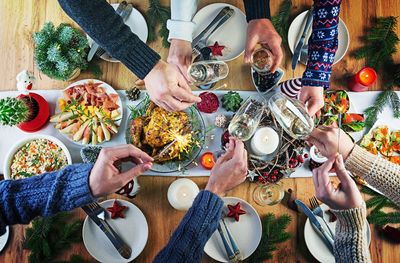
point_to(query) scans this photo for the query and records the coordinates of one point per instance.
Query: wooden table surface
(20, 18)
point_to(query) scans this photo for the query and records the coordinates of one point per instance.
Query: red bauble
(216, 49)
(42, 116)
(225, 138)
(116, 210)
(209, 102)
(235, 211)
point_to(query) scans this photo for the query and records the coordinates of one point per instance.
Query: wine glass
(291, 115)
(269, 194)
(246, 120)
(207, 72)
(261, 60)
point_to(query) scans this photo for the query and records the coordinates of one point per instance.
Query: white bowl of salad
(35, 155)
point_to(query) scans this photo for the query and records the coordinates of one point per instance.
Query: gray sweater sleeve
(99, 20)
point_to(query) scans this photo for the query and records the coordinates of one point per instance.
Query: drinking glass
(261, 60)
(291, 115)
(269, 194)
(207, 72)
(246, 120)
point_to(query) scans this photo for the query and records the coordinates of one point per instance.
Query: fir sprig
(158, 14)
(373, 111)
(48, 237)
(273, 233)
(281, 20)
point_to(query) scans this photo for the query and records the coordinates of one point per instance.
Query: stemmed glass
(207, 72)
(246, 120)
(261, 60)
(269, 194)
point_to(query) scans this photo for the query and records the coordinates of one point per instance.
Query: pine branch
(372, 112)
(157, 14)
(380, 218)
(273, 229)
(281, 20)
(395, 102)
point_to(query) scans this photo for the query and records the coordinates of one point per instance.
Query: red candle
(363, 79)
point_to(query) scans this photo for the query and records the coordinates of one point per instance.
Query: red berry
(306, 155)
(275, 172)
(300, 158)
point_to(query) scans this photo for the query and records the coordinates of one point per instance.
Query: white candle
(181, 194)
(265, 141)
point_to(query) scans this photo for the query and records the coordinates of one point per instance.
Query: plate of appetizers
(89, 112)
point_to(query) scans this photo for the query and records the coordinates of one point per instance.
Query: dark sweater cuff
(256, 9)
(141, 59)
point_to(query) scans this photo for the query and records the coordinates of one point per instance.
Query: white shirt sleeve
(180, 25)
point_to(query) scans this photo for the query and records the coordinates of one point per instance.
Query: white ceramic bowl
(19, 144)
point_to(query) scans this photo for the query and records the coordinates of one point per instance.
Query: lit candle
(363, 79)
(265, 141)
(181, 194)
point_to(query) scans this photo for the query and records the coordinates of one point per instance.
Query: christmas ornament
(221, 121)
(116, 210)
(209, 102)
(207, 160)
(291, 87)
(132, 93)
(216, 49)
(231, 101)
(235, 211)
(25, 82)
(225, 138)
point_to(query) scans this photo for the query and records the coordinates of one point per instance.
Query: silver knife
(95, 46)
(300, 44)
(216, 19)
(314, 221)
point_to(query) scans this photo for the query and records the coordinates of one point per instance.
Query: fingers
(186, 95)
(135, 171)
(139, 82)
(251, 43)
(314, 105)
(304, 95)
(175, 104)
(341, 171)
(239, 150)
(124, 151)
(278, 56)
(323, 172)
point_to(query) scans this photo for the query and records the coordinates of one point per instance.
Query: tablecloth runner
(10, 135)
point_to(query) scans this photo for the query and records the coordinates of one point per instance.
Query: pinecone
(231, 101)
(13, 111)
(133, 93)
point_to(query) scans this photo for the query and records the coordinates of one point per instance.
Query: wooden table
(20, 18)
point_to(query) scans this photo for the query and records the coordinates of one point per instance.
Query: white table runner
(11, 135)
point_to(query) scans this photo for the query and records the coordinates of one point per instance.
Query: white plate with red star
(296, 29)
(246, 232)
(133, 229)
(231, 36)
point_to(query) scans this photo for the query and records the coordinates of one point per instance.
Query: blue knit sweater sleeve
(99, 20)
(200, 222)
(323, 43)
(44, 195)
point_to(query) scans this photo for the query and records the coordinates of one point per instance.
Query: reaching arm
(257, 9)
(180, 25)
(188, 241)
(99, 20)
(44, 195)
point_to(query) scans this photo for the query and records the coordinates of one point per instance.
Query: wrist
(213, 188)
(157, 67)
(347, 152)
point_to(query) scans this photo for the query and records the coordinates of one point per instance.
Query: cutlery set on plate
(231, 247)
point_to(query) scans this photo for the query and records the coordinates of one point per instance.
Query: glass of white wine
(269, 194)
(246, 120)
(291, 115)
(207, 72)
(261, 60)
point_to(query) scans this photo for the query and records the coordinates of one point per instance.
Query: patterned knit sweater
(323, 43)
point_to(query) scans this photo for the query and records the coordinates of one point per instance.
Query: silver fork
(317, 210)
(99, 211)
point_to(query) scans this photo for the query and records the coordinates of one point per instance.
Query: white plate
(296, 30)
(314, 242)
(138, 25)
(109, 90)
(4, 238)
(232, 34)
(133, 229)
(247, 232)
(19, 144)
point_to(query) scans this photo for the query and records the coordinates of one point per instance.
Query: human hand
(105, 178)
(261, 31)
(180, 55)
(168, 88)
(346, 195)
(314, 97)
(230, 169)
(326, 140)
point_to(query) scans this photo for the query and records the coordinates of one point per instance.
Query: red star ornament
(216, 49)
(116, 210)
(235, 211)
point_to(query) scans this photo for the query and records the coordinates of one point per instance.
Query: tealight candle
(265, 141)
(363, 79)
(181, 194)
